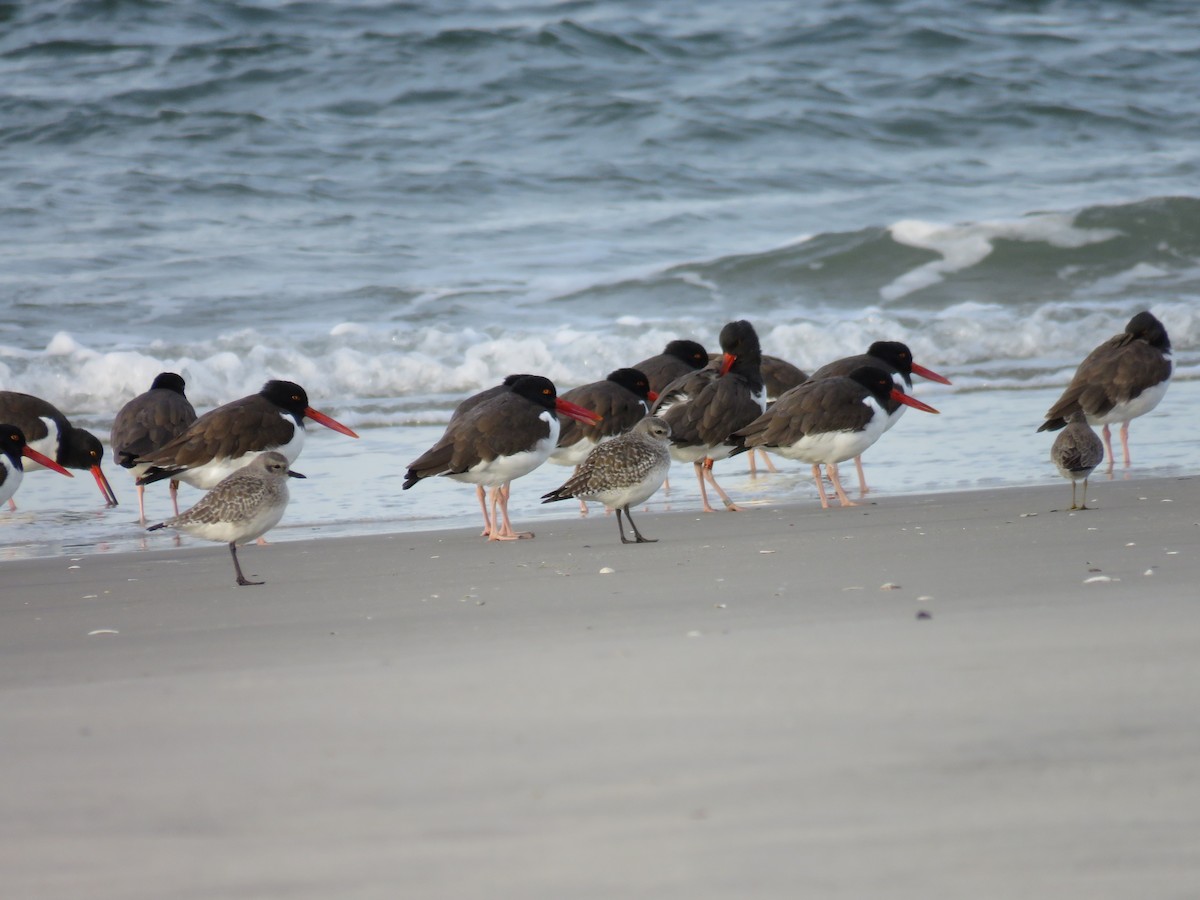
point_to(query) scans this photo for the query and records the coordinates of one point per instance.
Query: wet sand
(961, 695)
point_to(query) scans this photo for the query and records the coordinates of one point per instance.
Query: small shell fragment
(103, 631)
(607, 570)
(1096, 579)
(889, 586)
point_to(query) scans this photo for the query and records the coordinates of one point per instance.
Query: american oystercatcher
(678, 358)
(147, 422)
(222, 441)
(826, 421)
(499, 439)
(1076, 452)
(51, 434)
(705, 407)
(623, 472)
(242, 507)
(894, 358)
(1123, 378)
(12, 448)
(623, 399)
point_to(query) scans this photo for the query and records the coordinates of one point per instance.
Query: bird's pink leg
(708, 474)
(174, 498)
(141, 489)
(1125, 442)
(703, 490)
(1107, 435)
(487, 521)
(820, 483)
(862, 479)
(837, 485)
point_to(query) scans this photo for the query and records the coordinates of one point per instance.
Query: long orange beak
(727, 362)
(577, 412)
(105, 488)
(901, 397)
(321, 419)
(930, 374)
(43, 460)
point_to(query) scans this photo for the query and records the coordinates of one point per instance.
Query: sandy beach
(973, 694)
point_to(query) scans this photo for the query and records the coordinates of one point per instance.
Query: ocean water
(396, 204)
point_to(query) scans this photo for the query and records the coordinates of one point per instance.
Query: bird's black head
(877, 382)
(510, 380)
(79, 449)
(739, 339)
(689, 352)
(632, 380)
(287, 395)
(168, 381)
(12, 442)
(1144, 326)
(895, 354)
(536, 389)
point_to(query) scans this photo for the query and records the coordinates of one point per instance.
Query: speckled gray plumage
(1076, 452)
(623, 471)
(243, 506)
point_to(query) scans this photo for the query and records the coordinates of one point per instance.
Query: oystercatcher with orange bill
(147, 422)
(51, 434)
(12, 448)
(1123, 378)
(827, 421)
(498, 439)
(705, 407)
(677, 359)
(893, 357)
(622, 400)
(229, 437)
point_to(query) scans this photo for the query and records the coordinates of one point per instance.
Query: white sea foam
(966, 245)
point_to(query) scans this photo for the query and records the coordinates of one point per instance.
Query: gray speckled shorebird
(622, 472)
(1076, 452)
(244, 506)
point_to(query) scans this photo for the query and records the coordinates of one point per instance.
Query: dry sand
(740, 710)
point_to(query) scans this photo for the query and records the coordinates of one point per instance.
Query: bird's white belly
(47, 446)
(1138, 406)
(210, 474)
(239, 532)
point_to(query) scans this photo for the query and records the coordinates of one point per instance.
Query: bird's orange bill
(321, 419)
(105, 488)
(652, 396)
(43, 460)
(901, 397)
(930, 374)
(727, 362)
(577, 412)
(292, 474)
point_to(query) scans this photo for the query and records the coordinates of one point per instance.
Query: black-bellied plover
(622, 472)
(705, 407)
(1076, 452)
(827, 421)
(244, 506)
(501, 438)
(147, 422)
(678, 358)
(223, 440)
(12, 448)
(50, 433)
(1123, 378)
(894, 358)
